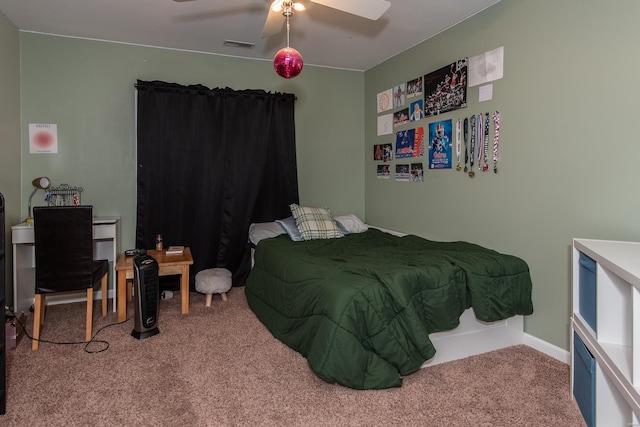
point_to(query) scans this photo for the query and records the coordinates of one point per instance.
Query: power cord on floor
(87, 343)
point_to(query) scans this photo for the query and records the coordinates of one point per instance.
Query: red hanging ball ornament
(287, 62)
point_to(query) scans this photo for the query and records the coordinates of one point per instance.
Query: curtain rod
(156, 84)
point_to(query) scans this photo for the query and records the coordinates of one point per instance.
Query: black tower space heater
(147, 296)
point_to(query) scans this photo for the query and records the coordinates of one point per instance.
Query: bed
(361, 308)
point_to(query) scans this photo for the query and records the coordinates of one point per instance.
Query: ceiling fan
(288, 61)
(369, 9)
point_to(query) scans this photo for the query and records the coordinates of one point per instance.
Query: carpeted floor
(221, 367)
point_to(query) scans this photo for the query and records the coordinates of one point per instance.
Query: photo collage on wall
(409, 103)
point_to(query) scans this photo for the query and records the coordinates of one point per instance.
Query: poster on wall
(410, 143)
(43, 138)
(446, 89)
(440, 145)
(404, 143)
(417, 173)
(384, 101)
(418, 142)
(399, 94)
(417, 112)
(383, 152)
(414, 87)
(402, 172)
(382, 172)
(400, 117)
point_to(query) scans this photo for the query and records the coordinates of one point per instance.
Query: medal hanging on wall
(485, 166)
(473, 145)
(496, 140)
(458, 137)
(466, 148)
(480, 127)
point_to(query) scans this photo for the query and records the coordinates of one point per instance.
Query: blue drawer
(587, 290)
(584, 380)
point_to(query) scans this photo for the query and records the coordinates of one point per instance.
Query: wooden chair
(64, 260)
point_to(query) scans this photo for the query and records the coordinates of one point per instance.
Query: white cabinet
(607, 331)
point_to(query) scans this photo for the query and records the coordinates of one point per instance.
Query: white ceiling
(324, 36)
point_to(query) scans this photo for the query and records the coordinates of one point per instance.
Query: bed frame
(472, 336)
(475, 337)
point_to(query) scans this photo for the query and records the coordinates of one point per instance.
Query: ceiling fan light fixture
(288, 62)
(282, 6)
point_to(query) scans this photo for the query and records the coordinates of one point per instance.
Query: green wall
(568, 152)
(9, 134)
(87, 89)
(567, 156)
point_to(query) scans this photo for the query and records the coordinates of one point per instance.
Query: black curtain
(211, 162)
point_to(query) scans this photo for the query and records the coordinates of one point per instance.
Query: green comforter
(361, 308)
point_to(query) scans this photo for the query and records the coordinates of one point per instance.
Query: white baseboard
(547, 348)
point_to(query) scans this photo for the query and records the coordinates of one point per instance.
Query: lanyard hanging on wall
(466, 137)
(485, 166)
(496, 140)
(480, 127)
(473, 145)
(458, 141)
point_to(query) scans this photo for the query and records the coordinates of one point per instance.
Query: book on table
(175, 250)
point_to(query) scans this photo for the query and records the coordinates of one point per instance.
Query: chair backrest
(63, 248)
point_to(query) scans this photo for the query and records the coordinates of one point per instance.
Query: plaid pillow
(315, 223)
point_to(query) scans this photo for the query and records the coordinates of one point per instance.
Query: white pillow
(264, 230)
(351, 223)
(315, 223)
(290, 227)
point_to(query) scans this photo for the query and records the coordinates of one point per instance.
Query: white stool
(213, 281)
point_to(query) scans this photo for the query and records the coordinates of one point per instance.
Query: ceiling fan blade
(370, 9)
(218, 13)
(274, 23)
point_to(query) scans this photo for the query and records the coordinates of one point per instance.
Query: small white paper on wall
(43, 138)
(485, 93)
(385, 124)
